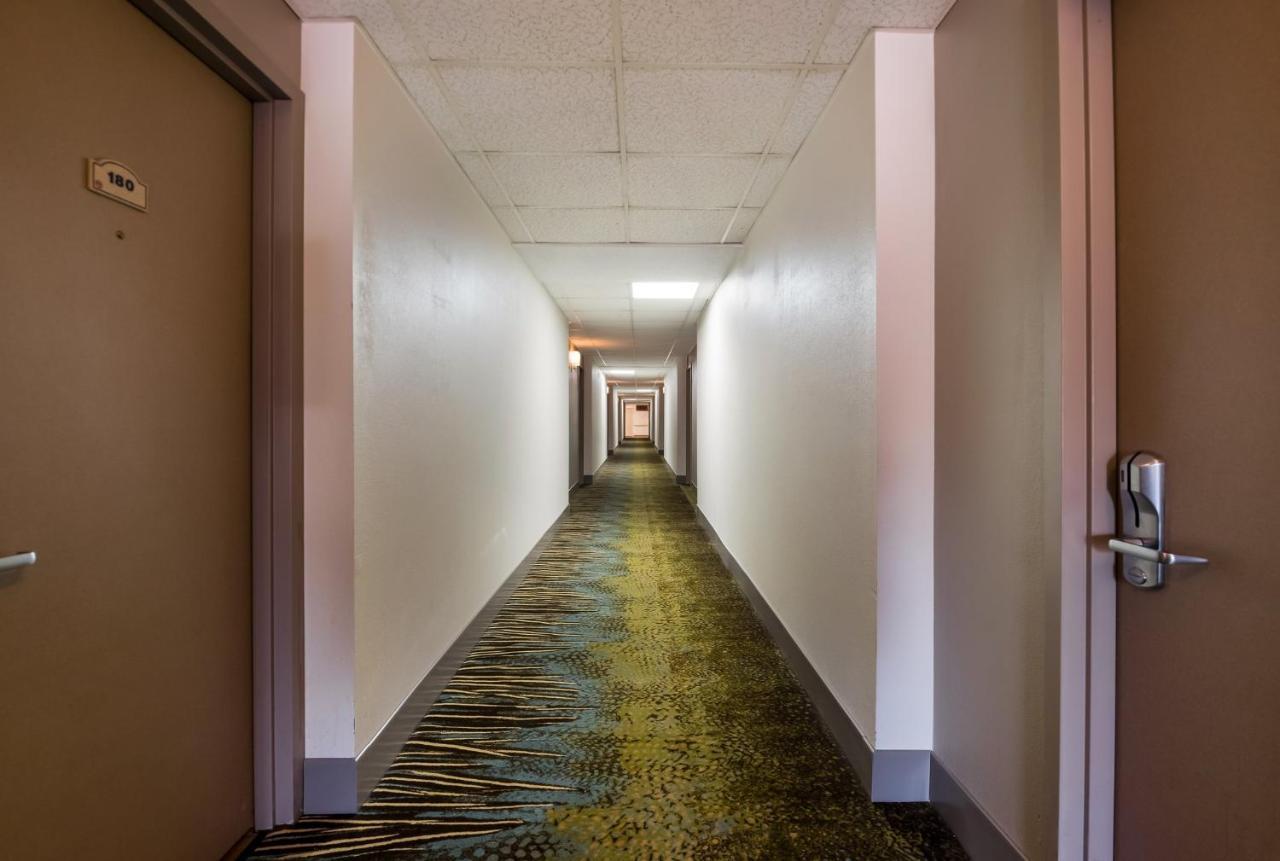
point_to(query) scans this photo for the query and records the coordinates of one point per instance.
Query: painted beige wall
(328, 429)
(453, 337)
(673, 431)
(596, 427)
(997, 412)
(822, 488)
(904, 117)
(449, 336)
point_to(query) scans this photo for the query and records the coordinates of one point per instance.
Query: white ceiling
(635, 123)
(592, 283)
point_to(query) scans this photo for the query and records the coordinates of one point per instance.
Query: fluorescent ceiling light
(627, 373)
(663, 289)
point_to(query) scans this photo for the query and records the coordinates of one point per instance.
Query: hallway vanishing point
(625, 703)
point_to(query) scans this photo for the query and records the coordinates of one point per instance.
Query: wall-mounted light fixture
(575, 359)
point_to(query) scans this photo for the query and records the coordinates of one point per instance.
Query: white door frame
(623, 401)
(1087, 701)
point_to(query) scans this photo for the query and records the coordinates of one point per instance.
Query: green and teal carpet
(625, 704)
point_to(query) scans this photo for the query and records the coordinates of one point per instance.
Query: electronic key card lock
(1140, 544)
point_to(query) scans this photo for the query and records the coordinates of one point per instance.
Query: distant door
(660, 420)
(636, 420)
(575, 427)
(1198, 243)
(125, 652)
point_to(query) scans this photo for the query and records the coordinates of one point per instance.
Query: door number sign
(114, 180)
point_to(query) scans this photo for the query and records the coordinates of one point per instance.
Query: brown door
(1198, 194)
(125, 687)
(575, 427)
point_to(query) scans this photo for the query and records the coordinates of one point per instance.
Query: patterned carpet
(625, 704)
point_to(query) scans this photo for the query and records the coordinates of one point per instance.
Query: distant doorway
(635, 421)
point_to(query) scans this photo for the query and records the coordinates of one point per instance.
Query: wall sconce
(575, 359)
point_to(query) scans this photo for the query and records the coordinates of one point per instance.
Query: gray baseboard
(891, 775)
(855, 748)
(680, 479)
(975, 830)
(329, 785)
(342, 785)
(900, 775)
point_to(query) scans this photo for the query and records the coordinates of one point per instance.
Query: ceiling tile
(647, 323)
(605, 319)
(575, 225)
(561, 180)
(688, 182)
(720, 31)
(588, 290)
(474, 164)
(661, 306)
(678, 225)
(770, 172)
(507, 218)
(814, 94)
(742, 225)
(619, 265)
(856, 17)
(536, 109)
(563, 31)
(704, 110)
(422, 86)
(589, 303)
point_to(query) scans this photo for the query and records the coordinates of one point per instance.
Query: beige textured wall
(997, 411)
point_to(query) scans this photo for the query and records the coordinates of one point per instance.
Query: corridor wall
(823, 488)
(673, 430)
(998, 414)
(426, 334)
(597, 423)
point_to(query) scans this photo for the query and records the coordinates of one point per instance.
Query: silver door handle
(1150, 554)
(17, 560)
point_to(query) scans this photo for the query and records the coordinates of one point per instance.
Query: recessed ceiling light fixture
(663, 289)
(626, 373)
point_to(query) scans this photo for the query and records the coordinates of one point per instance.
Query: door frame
(624, 401)
(1087, 691)
(276, 390)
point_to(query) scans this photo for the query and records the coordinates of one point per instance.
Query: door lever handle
(1150, 554)
(17, 560)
